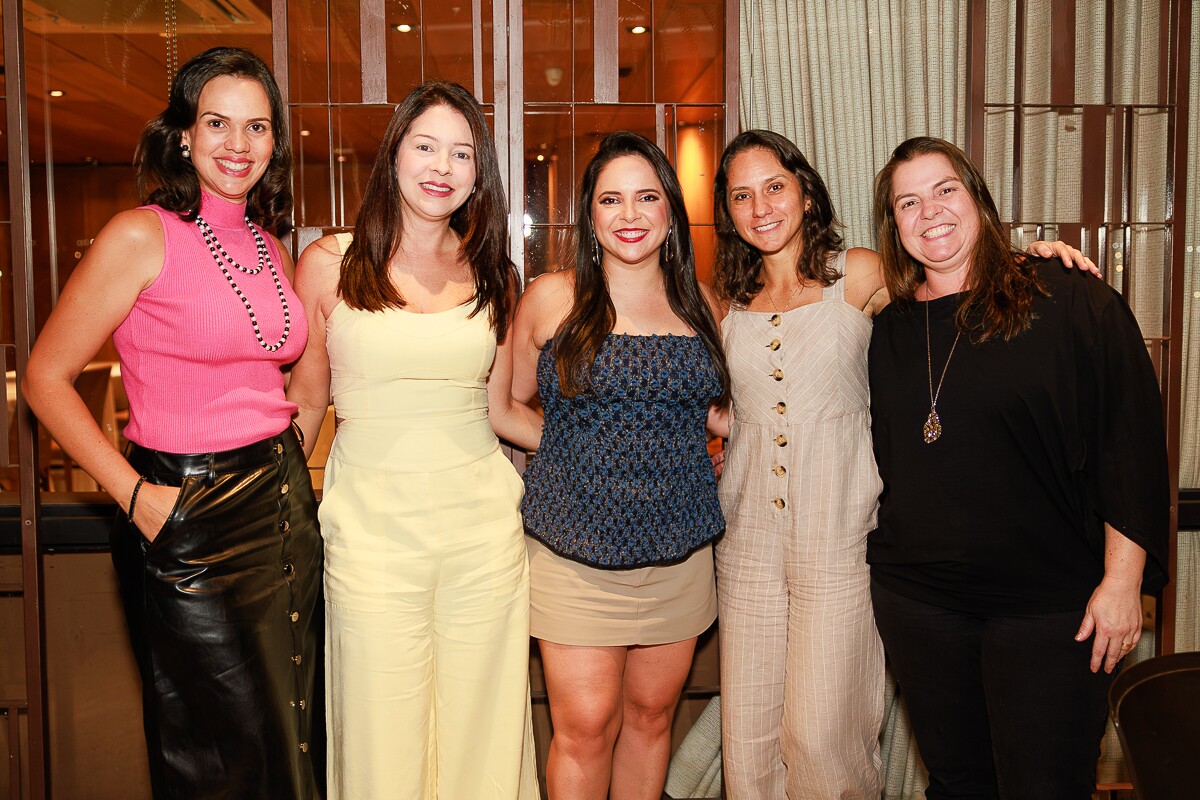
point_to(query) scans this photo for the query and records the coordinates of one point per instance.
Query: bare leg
(584, 687)
(653, 679)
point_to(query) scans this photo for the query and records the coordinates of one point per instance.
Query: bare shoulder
(289, 266)
(137, 227)
(545, 304)
(551, 289)
(131, 244)
(717, 306)
(864, 278)
(863, 262)
(318, 272)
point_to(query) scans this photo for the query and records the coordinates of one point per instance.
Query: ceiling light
(541, 157)
(638, 29)
(305, 133)
(57, 92)
(404, 27)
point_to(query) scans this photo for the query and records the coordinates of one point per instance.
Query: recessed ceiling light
(57, 92)
(541, 157)
(637, 29)
(404, 27)
(305, 133)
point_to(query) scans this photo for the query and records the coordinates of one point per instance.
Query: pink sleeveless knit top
(197, 378)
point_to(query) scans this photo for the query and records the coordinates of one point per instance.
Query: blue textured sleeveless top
(622, 478)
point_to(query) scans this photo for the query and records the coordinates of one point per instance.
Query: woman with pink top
(217, 551)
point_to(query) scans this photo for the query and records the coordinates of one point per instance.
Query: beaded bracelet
(137, 487)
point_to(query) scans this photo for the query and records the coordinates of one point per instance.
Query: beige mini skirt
(572, 603)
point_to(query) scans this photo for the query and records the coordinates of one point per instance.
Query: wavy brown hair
(1001, 281)
(167, 179)
(481, 222)
(737, 273)
(592, 315)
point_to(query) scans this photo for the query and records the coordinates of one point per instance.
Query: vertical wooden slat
(282, 72)
(372, 26)
(1164, 50)
(20, 214)
(605, 45)
(516, 136)
(1062, 53)
(733, 57)
(660, 126)
(1177, 138)
(1091, 179)
(1109, 61)
(279, 47)
(1126, 205)
(1018, 112)
(500, 84)
(976, 79)
(477, 49)
(14, 751)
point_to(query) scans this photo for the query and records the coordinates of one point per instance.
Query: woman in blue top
(620, 504)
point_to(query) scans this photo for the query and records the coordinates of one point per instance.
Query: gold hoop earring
(667, 245)
(597, 253)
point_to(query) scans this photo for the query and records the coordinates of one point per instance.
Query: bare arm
(1114, 612)
(541, 310)
(316, 286)
(864, 273)
(511, 419)
(126, 258)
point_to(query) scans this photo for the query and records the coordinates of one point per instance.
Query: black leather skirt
(225, 616)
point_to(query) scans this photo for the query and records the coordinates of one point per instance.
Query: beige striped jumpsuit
(802, 675)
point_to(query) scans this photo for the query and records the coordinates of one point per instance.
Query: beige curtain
(848, 81)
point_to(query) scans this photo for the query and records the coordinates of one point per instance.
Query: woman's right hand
(153, 506)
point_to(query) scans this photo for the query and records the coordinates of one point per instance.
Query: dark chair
(1155, 705)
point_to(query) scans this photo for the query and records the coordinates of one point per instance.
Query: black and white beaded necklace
(222, 258)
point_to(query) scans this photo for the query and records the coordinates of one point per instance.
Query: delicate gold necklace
(933, 424)
(791, 295)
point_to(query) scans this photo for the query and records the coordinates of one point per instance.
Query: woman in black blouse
(1018, 429)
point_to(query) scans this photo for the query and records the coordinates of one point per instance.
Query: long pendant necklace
(933, 424)
(222, 258)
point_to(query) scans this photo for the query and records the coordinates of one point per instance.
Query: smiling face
(936, 216)
(435, 164)
(766, 202)
(233, 138)
(630, 212)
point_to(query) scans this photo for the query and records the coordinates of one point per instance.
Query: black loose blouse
(1045, 438)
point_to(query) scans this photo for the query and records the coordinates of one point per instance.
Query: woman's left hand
(1065, 253)
(718, 462)
(1114, 614)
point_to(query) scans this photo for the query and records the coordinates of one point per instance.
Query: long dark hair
(159, 159)
(1002, 281)
(737, 273)
(592, 314)
(481, 222)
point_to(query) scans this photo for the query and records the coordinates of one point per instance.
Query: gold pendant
(933, 427)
